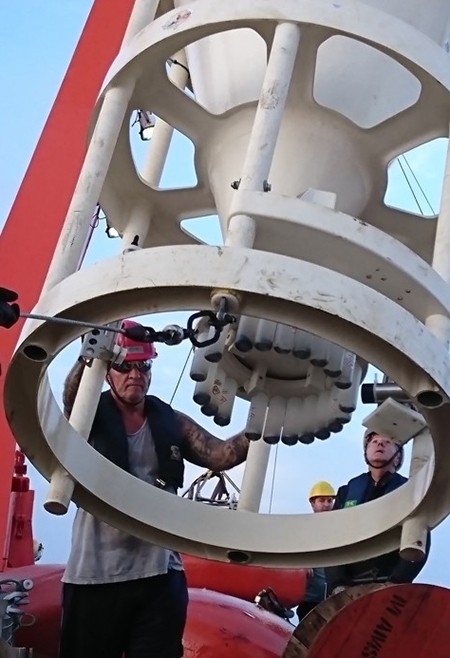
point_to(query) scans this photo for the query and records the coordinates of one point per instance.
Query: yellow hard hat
(322, 488)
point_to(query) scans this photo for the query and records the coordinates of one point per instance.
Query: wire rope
(419, 185)
(410, 186)
(177, 385)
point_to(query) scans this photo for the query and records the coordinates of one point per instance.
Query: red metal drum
(400, 621)
(246, 581)
(220, 626)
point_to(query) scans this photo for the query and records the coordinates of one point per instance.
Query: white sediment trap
(301, 387)
(295, 109)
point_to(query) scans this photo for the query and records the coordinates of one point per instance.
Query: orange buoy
(245, 581)
(220, 626)
(404, 621)
(217, 625)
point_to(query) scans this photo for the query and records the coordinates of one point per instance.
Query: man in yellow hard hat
(321, 499)
(383, 455)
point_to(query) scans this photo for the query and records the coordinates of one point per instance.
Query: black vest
(108, 437)
(356, 488)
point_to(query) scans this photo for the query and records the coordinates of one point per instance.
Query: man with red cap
(384, 457)
(123, 595)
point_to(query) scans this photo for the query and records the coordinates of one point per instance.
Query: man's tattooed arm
(205, 449)
(71, 384)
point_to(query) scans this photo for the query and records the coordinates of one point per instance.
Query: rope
(419, 185)
(177, 385)
(410, 187)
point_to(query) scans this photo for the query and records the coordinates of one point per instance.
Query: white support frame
(402, 347)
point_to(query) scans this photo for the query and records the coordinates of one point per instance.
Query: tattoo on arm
(205, 449)
(71, 385)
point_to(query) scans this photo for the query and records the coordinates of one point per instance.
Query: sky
(37, 40)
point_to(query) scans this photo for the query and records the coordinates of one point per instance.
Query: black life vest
(108, 436)
(357, 487)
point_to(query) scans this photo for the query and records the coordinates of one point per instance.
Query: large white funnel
(340, 85)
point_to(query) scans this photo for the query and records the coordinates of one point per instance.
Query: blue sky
(37, 41)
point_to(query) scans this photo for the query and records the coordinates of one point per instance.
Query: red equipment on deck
(404, 621)
(217, 623)
(245, 582)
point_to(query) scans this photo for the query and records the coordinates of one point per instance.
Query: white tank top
(103, 554)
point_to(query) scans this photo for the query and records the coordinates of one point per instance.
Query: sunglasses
(127, 366)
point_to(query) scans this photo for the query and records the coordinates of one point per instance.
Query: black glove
(9, 313)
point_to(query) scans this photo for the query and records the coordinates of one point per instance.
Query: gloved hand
(9, 313)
